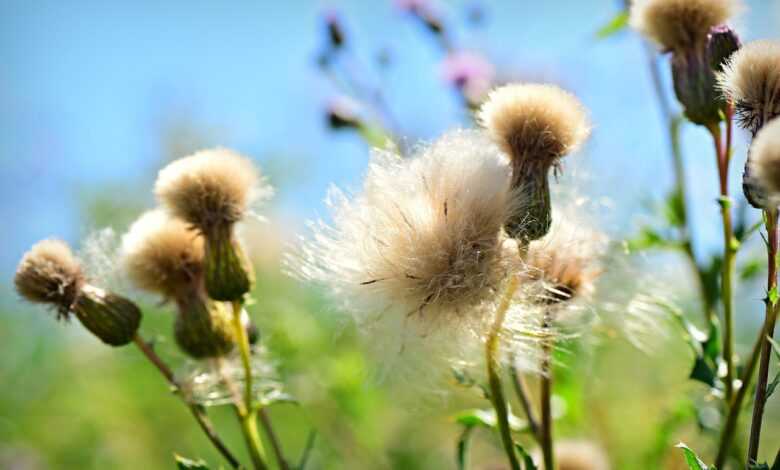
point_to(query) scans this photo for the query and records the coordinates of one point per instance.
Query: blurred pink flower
(469, 72)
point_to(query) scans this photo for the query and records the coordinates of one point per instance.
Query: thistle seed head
(162, 254)
(49, 273)
(211, 188)
(678, 25)
(764, 160)
(751, 80)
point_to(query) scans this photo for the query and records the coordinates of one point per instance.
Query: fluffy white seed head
(765, 159)
(535, 122)
(566, 262)
(679, 24)
(751, 80)
(50, 273)
(162, 254)
(422, 240)
(211, 188)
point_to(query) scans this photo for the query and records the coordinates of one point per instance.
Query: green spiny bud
(228, 272)
(204, 328)
(112, 318)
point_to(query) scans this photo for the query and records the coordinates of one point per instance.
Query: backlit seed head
(677, 25)
(751, 80)
(49, 273)
(211, 188)
(162, 254)
(765, 160)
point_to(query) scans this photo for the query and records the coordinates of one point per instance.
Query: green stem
(521, 390)
(546, 396)
(276, 446)
(197, 412)
(766, 350)
(248, 412)
(494, 380)
(735, 406)
(729, 255)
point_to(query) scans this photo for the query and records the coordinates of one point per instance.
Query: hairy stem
(735, 406)
(729, 256)
(494, 379)
(546, 396)
(766, 350)
(521, 390)
(197, 412)
(248, 412)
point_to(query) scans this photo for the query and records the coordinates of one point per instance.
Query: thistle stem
(521, 390)
(673, 122)
(546, 396)
(766, 351)
(729, 253)
(197, 412)
(248, 412)
(494, 379)
(276, 446)
(735, 406)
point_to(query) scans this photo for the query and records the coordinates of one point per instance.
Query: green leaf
(770, 389)
(183, 463)
(487, 418)
(703, 372)
(649, 238)
(463, 447)
(528, 462)
(751, 268)
(776, 465)
(307, 450)
(693, 460)
(758, 466)
(615, 25)
(775, 347)
(674, 209)
(772, 296)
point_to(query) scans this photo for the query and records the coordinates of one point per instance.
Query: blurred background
(97, 96)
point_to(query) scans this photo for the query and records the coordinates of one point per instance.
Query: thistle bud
(694, 86)
(213, 190)
(49, 273)
(228, 272)
(722, 42)
(203, 328)
(161, 254)
(110, 317)
(535, 126)
(689, 30)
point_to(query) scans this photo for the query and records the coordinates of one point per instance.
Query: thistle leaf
(183, 463)
(693, 460)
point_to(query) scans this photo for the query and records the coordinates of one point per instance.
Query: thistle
(213, 190)
(692, 31)
(50, 274)
(536, 126)
(423, 237)
(751, 80)
(161, 254)
(765, 161)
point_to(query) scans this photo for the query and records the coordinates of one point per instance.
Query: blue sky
(87, 87)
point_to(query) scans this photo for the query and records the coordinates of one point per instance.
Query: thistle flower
(692, 31)
(535, 125)
(469, 73)
(678, 25)
(423, 238)
(751, 80)
(212, 190)
(50, 274)
(565, 263)
(161, 254)
(765, 160)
